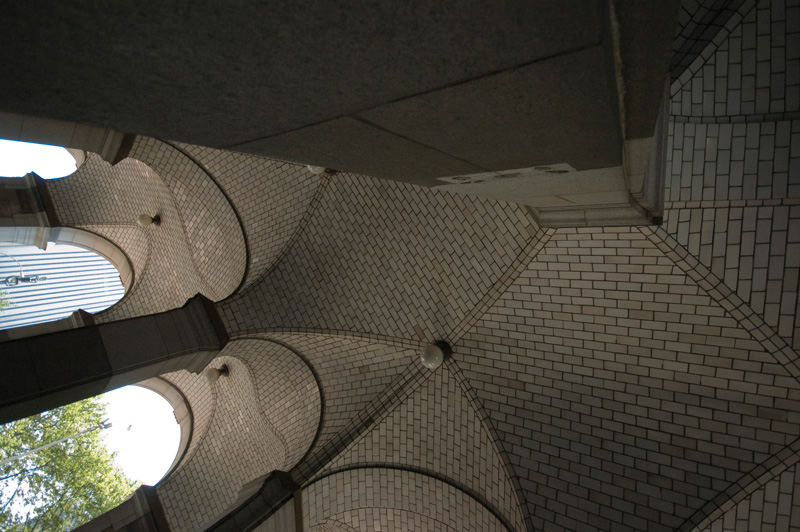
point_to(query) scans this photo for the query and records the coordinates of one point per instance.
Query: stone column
(42, 372)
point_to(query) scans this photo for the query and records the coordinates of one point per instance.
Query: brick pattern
(356, 376)
(252, 182)
(390, 499)
(539, 238)
(200, 399)
(386, 258)
(437, 430)
(755, 250)
(331, 525)
(699, 22)
(755, 71)
(239, 446)
(775, 507)
(624, 395)
(733, 189)
(392, 520)
(750, 483)
(732, 162)
(629, 379)
(287, 393)
(703, 25)
(132, 238)
(212, 229)
(727, 299)
(97, 197)
(263, 416)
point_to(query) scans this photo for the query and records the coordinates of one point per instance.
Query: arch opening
(75, 462)
(19, 158)
(44, 285)
(152, 426)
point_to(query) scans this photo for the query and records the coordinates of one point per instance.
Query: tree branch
(19, 484)
(24, 471)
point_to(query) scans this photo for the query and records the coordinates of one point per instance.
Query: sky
(20, 158)
(144, 433)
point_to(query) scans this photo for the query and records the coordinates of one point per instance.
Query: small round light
(213, 375)
(145, 220)
(316, 170)
(434, 354)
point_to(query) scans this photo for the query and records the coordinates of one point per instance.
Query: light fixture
(316, 170)
(14, 280)
(434, 354)
(145, 220)
(213, 374)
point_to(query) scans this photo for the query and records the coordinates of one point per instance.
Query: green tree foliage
(63, 486)
(4, 301)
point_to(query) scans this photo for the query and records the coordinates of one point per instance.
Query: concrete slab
(645, 46)
(219, 75)
(347, 144)
(561, 110)
(536, 189)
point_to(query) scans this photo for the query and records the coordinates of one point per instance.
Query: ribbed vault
(437, 430)
(630, 366)
(355, 376)
(603, 379)
(252, 182)
(386, 258)
(770, 507)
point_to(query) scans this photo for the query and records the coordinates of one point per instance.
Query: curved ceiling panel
(438, 430)
(287, 393)
(273, 198)
(388, 259)
(212, 227)
(364, 499)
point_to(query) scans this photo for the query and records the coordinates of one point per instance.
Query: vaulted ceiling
(617, 378)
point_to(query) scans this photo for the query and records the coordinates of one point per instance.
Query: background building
(619, 286)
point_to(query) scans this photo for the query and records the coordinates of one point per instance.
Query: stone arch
(102, 246)
(39, 236)
(108, 200)
(76, 138)
(80, 238)
(199, 208)
(183, 414)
